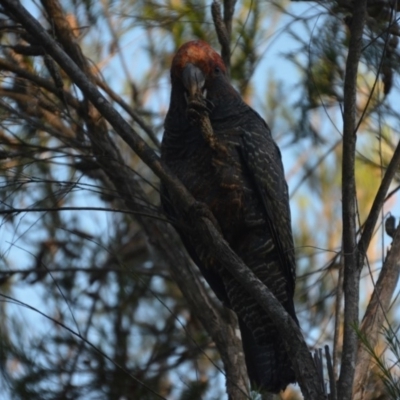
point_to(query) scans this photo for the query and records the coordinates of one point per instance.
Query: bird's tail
(268, 366)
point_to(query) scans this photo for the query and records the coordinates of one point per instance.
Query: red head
(195, 64)
(200, 54)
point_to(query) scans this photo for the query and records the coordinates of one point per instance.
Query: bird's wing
(263, 164)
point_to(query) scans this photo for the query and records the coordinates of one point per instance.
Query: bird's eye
(217, 70)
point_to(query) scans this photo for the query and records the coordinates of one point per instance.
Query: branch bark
(223, 27)
(219, 323)
(351, 276)
(375, 316)
(296, 346)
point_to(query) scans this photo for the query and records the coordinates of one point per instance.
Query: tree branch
(375, 315)
(351, 276)
(222, 30)
(229, 9)
(379, 200)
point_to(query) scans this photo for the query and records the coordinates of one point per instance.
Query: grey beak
(193, 79)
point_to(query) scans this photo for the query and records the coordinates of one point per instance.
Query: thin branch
(82, 338)
(39, 81)
(135, 116)
(379, 200)
(71, 101)
(338, 318)
(142, 271)
(222, 31)
(309, 171)
(229, 9)
(12, 211)
(331, 374)
(351, 277)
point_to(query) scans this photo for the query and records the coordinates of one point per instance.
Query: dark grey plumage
(242, 182)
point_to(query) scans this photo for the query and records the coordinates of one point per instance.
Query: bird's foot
(200, 210)
(197, 109)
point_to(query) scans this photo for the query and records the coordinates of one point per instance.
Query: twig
(331, 374)
(11, 211)
(379, 200)
(135, 116)
(222, 31)
(319, 364)
(86, 341)
(338, 318)
(229, 9)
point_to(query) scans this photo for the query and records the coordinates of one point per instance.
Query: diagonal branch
(375, 315)
(379, 200)
(301, 358)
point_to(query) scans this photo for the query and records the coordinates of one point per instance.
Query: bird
(234, 168)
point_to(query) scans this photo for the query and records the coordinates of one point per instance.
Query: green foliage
(195, 391)
(387, 365)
